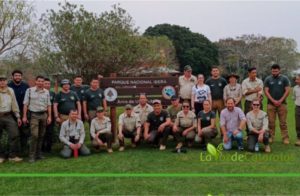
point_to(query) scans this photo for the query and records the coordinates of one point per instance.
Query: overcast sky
(214, 19)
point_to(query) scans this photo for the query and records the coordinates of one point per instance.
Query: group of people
(31, 113)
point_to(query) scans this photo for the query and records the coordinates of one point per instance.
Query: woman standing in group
(200, 93)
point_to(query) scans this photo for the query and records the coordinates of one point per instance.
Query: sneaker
(121, 149)
(110, 150)
(15, 159)
(2, 160)
(240, 148)
(179, 145)
(297, 142)
(267, 149)
(256, 149)
(286, 141)
(271, 140)
(162, 147)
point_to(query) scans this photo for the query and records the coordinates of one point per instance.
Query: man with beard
(20, 87)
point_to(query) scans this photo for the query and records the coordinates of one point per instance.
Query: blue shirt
(19, 90)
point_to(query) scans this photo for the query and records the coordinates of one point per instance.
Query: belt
(42, 112)
(4, 114)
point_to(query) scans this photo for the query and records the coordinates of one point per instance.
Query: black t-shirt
(216, 87)
(156, 120)
(66, 102)
(19, 91)
(205, 118)
(79, 90)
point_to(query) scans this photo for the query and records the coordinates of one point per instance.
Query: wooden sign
(126, 90)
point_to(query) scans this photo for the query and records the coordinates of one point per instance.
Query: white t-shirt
(200, 93)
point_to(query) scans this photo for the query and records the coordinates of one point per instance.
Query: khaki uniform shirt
(72, 129)
(234, 92)
(186, 85)
(247, 85)
(143, 112)
(186, 121)
(130, 123)
(8, 102)
(37, 100)
(259, 121)
(102, 126)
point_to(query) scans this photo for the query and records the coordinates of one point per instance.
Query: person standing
(296, 97)
(252, 88)
(65, 101)
(8, 110)
(277, 88)
(37, 101)
(257, 121)
(20, 87)
(47, 142)
(186, 82)
(200, 93)
(93, 98)
(233, 89)
(129, 127)
(232, 122)
(72, 134)
(142, 110)
(216, 84)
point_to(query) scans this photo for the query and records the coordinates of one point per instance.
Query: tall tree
(191, 48)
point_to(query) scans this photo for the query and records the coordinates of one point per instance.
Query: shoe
(15, 159)
(121, 149)
(179, 145)
(162, 147)
(286, 141)
(110, 150)
(190, 144)
(240, 148)
(31, 160)
(267, 149)
(256, 149)
(2, 160)
(271, 139)
(297, 142)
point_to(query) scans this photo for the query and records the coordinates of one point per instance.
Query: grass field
(164, 166)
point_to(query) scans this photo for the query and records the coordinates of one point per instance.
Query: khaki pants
(38, 123)
(281, 111)
(208, 134)
(217, 105)
(180, 138)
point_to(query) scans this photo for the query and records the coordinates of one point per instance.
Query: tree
(191, 48)
(259, 51)
(81, 42)
(16, 26)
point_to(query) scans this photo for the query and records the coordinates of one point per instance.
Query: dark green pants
(8, 124)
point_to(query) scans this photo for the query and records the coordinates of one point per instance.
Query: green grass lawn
(147, 160)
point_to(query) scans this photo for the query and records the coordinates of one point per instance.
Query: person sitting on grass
(157, 126)
(100, 130)
(206, 124)
(129, 127)
(72, 134)
(185, 125)
(232, 122)
(257, 121)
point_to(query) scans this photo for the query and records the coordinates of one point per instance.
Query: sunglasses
(185, 106)
(256, 104)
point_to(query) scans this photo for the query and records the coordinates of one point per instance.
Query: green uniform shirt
(66, 102)
(94, 99)
(79, 90)
(173, 111)
(52, 97)
(206, 118)
(216, 87)
(277, 86)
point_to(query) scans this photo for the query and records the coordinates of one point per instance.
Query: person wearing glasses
(200, 93)
(185, 125)
(206, 124)
(257, 121)
(129, 127)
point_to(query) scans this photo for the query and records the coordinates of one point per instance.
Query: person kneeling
(185, 125)
(101, 131)
(129, 127)
(257, 121)
(72, 134)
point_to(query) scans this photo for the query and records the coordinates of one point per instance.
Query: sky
(214, 19)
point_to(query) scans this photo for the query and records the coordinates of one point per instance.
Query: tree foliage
(17, 29)
(259, 51)
(191, 48)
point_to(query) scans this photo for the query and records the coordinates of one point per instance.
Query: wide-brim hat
(233, 75)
